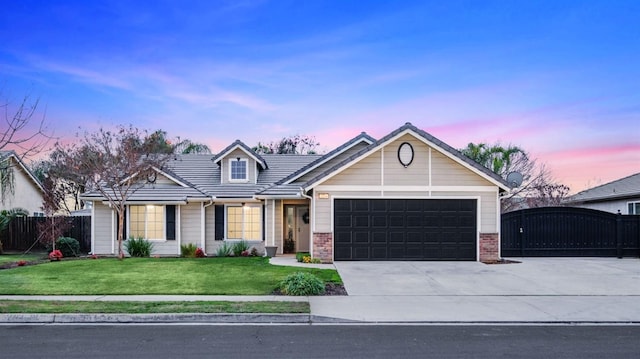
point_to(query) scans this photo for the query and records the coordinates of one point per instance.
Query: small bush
(300, 256)
(138, 247)
(55, 255)
(301, 283)
(240, 247)
(69, 247)
(316, 260)
(224, 250)
(254, 252)
(199, 253)
(188, 250)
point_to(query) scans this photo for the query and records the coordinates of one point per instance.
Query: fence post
(619, 239)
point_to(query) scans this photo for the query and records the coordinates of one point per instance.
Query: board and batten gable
(332, 162)
(234, 155)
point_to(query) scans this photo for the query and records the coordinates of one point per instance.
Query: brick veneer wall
(489, 247)
(323, 246)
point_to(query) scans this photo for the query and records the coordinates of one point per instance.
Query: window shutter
(219, 222)
(170, 212)
(264, 220)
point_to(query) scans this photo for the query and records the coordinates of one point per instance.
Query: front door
(296, 229)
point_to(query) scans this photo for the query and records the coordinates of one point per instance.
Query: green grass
(210, 276)
(54, 307)
(14, 257)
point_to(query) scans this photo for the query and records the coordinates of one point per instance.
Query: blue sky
(558, 78)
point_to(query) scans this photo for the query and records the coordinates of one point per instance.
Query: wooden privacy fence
(22, 233)
(569, 232)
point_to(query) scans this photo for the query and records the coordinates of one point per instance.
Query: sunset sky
(560, 79)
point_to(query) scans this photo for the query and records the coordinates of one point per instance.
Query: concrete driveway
(532, 276)
(540, 290)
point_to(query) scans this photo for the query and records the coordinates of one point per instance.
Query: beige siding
(332, 162)
(365, 172)
(26, 194)
(160, 179)
(416, 174)
(103, 232)
(238, 153)
(191, 224)
(210, 230)
(447, 172)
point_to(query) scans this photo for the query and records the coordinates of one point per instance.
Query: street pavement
(535, 290)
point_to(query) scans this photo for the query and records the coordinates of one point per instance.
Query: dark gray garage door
(405, 229)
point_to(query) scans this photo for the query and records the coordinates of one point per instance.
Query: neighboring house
(27, 190)
(406, 196)
(621, 196)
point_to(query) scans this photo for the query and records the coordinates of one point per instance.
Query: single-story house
(27, 192)
(619, 196)
(406, 196)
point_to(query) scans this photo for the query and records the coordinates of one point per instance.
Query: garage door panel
(405, 229)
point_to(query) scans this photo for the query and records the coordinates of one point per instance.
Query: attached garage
(405, 229)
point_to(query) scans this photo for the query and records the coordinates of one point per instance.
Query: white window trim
(237, 180)
(634, 203)
(226, 223)
(164, 232)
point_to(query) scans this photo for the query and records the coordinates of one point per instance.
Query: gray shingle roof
(622, 188)
(360, 138)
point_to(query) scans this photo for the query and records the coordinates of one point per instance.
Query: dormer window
(238, 169)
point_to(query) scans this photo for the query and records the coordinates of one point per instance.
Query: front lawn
(204, 276)
(54, 307)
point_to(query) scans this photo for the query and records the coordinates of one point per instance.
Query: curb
(155, 318)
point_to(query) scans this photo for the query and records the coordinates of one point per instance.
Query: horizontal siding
(190, 224)
(103, 233)
(447, 172)
(165, 248)
(416, 174)
(365, 172)
(210, 230)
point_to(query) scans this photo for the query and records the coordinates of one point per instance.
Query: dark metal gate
(569, 232)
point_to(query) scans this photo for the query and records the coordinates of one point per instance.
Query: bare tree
(111, 164)
(21, 133)
(296, 144)
(538, 188)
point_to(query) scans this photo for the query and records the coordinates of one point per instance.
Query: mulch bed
(501, 261)
(329, 289)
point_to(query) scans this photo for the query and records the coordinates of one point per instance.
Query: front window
(634, 207)
(238, 169)
(244, 222)
(146, 222)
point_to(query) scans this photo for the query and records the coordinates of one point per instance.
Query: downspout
(203, 223)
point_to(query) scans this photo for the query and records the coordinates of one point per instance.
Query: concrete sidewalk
(540, 290)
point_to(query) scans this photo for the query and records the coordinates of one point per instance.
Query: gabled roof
(240, 145)
(362, 137)
(621, 188)
(14, 155)
(433, 141)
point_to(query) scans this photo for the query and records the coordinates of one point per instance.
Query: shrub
(188, 250)
(138, 247)
(224, 250)
(199, 253)
(254, 252)
(301, 283)
(316, 260)
(22, 263)
(69, 247)
(240, 247)
(300, 256)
